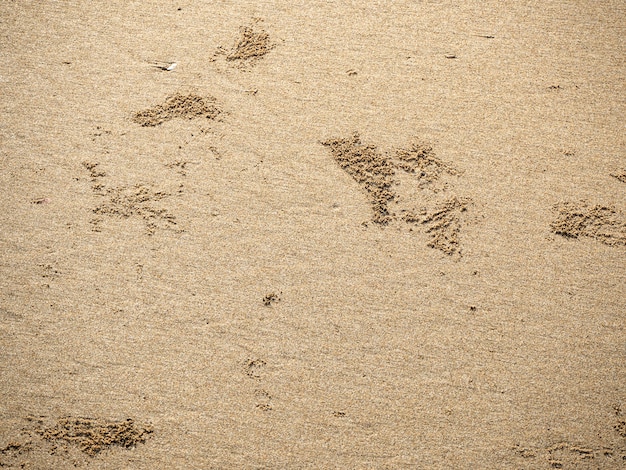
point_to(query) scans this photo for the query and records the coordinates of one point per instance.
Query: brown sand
(191, 279)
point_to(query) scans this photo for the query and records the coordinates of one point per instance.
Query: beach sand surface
(346, 234)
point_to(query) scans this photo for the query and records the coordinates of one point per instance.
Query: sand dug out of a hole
(371, 169)
(252, 43)
(580, 219)
(179, 106)
(94, 435)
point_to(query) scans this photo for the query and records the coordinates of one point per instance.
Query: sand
(335, 235)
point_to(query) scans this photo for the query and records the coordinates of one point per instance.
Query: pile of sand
(371, 169)
(252, 43)
(178, 106)
(375, 172)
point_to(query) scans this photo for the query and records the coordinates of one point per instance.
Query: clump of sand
(180, 106)
(253, 44)
(420, 159)
(375, 172)
(443, 223)
(129, 201)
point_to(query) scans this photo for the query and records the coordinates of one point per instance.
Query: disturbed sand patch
(93, 435)
(375, 172)
(420, 159)
(610, 454)
(443, 223)
(581, 219)
(371, 169)
(252, 45)
(178, 106)
(15, 454)
(129, 201)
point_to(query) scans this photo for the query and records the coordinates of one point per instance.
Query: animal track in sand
(253, 367)
(271, 298)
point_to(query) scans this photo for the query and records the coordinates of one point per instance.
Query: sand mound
(368, 167)
(94, 435)
(582, 220)
(178, 106)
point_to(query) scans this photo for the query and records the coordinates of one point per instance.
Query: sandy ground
(336, 235)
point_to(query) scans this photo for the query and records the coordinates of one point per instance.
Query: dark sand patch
(178, 106)
(602, 223)
(93, 435)
(271, 298)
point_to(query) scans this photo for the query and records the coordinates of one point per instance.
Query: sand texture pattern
(313, 235)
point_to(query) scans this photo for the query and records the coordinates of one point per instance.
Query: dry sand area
(336, 234)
